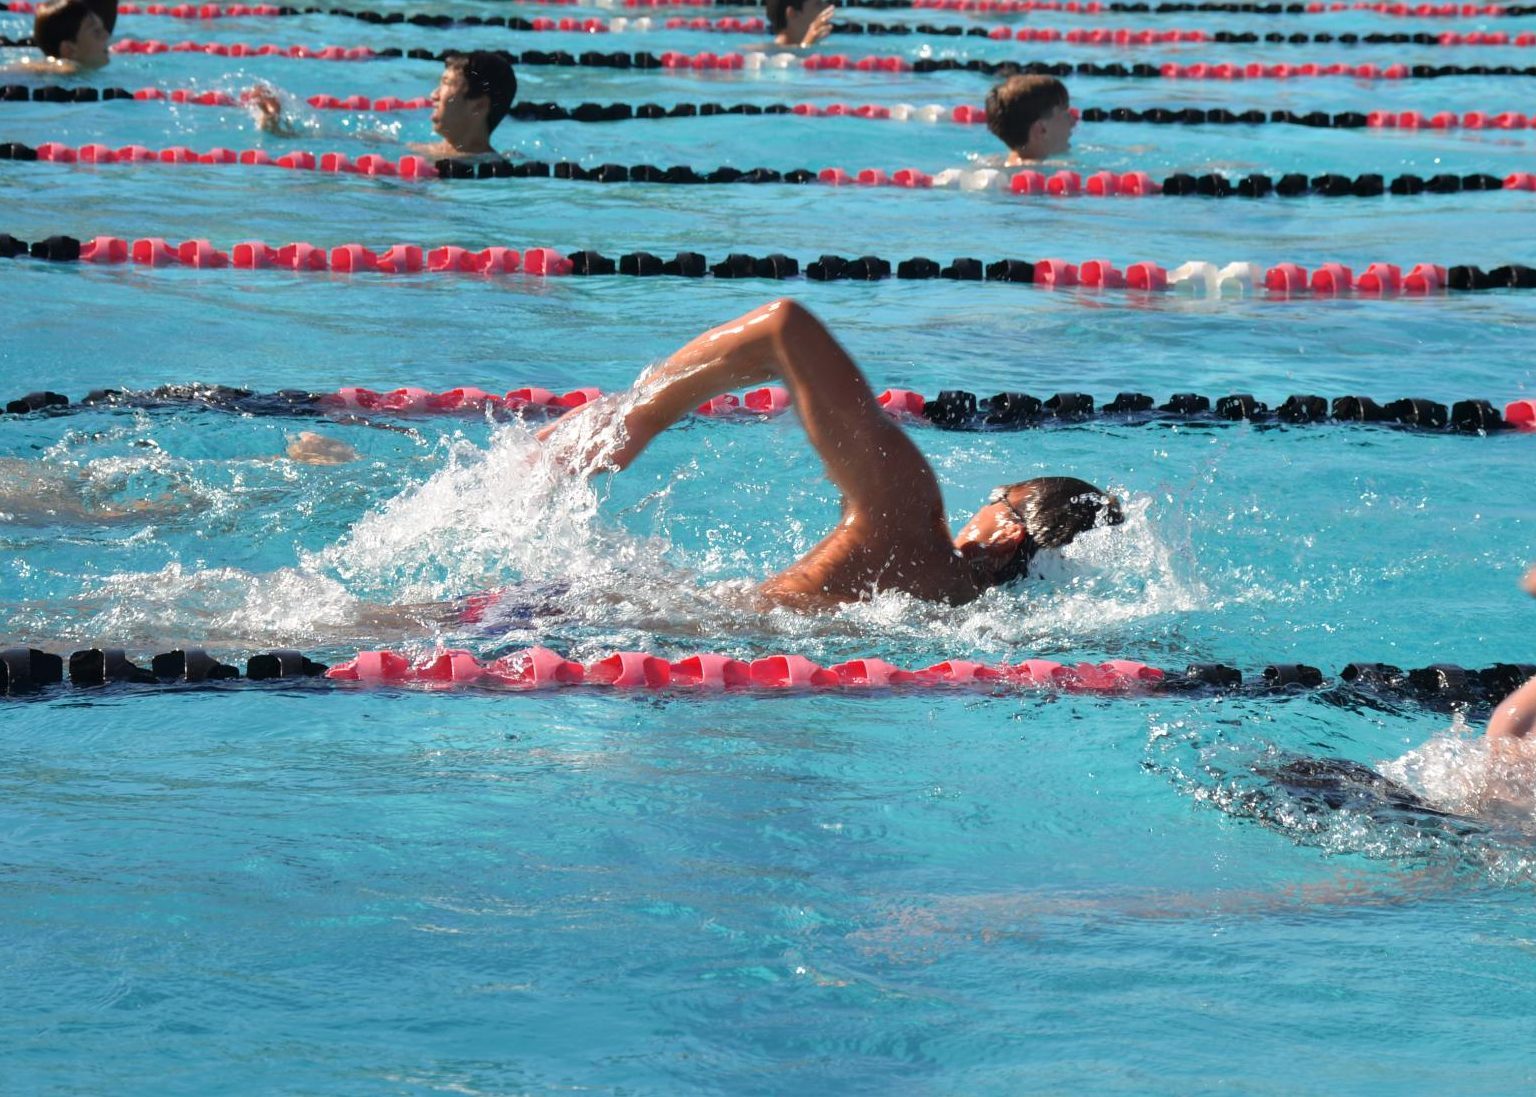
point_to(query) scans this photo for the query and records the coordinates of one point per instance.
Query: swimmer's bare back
(892, 534)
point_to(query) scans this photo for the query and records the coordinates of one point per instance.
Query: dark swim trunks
(513, 606)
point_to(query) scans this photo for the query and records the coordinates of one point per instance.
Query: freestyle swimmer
(74, 35)
(473, 95)
(1032, 115)
(893, 534)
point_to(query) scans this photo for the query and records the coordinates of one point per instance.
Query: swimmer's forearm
(737, 354)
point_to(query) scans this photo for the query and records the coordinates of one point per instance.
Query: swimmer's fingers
(820, 27)
(1528, 584)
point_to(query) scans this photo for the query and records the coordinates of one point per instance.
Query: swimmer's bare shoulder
(1512, 721)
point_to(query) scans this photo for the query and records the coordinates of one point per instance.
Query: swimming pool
(309, 889)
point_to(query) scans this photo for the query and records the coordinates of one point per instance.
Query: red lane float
(1410, 11)
(540, 668)
(420, 401)
(1330, 279)
(344, 258)
(241, 49)
(826, 62)
(1060, 184)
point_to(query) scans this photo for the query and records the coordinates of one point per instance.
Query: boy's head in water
(1021, 519)
(472, 97)
(72, 31)
(1032, 115)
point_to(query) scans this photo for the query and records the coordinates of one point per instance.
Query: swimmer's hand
(310, 448)
(820, 27)
(593, 437)
(1528, 584)
(806, 25)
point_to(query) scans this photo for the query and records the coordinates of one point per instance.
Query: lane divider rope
(836, 62)
(537, 111)
(950, 409)
(30, 670)
(1025, 182)
(1118, 37)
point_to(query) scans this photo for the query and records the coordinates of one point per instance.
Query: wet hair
(58, 21)
(1054, 510)
(1015, 105)
(777, 12)
(487, 75)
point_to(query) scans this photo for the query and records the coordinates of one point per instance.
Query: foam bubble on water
(517, 509)
(1459, 770)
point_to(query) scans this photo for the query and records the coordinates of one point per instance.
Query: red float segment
(901, 403)
(630, 670)
(1332, 278)
(1055, 272)
(1380, 278)
(770, 400)
(711, 671)
(104, 249)
(1146, 276)
(1285, 278)
(720, 405)
(1100, 274)
(1424, 278)
(540, 668)
(1521, 414)
(871, 673)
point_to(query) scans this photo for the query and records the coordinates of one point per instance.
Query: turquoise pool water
(353, 891)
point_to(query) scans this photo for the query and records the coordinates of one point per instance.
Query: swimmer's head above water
(1032, 115)
(475, 93)
(1020, 520)
(76, 33)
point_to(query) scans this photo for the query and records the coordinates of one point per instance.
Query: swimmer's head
(1032, 115)
(1021, 519)
(472, 97)
(68, 30)
(790, 18)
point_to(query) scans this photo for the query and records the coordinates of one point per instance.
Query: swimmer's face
(994, 536)
(455, 116)
(88, 49)
(1052, 134)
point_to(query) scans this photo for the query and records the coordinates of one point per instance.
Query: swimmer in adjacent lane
(1032, 115)
(74, 35)
(473, 95)
(893, 534)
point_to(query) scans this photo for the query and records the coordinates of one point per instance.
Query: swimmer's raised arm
(868, 457)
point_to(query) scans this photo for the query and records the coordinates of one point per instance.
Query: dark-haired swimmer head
(1003, 538)
(473, 95)
(74, 35)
